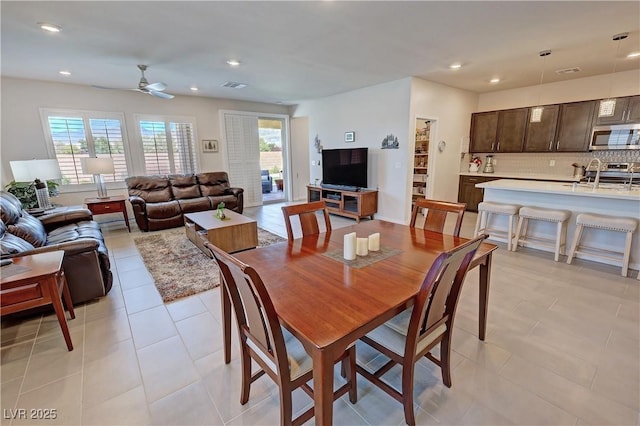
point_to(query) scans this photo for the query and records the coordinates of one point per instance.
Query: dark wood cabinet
(498, 131)
(574, 126)
(353, 204)
(511, 129)
(540, 136)
(484, 128)
(627, 110)
(468, 193)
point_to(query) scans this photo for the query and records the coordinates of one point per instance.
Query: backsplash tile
(538, 163)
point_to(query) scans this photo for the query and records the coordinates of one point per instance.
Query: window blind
(243, 154)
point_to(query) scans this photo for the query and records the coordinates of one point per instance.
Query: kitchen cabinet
(498, 131)
(484, 128)
(574, 126)
(421, 162)
(627, 110)
(540, 136)
(469, 194)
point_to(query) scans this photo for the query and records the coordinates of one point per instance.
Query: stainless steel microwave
(620, 136)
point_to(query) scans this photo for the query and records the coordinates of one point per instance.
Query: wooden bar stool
(609, 223)
(485, 209)
(559, 217)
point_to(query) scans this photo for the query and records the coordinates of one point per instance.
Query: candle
(374, 242)
(350, 246)
(361, 248)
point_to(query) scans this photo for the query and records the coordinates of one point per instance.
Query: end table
(37, 280)
(115, 204)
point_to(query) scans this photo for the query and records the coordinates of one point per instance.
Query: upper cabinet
(574, 126)
(541, 135)
(627, 110)
(498, 131)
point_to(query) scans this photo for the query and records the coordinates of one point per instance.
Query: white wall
(299, 149)
(23, 136)
(581, 89)
(451, 109)
(372, 113)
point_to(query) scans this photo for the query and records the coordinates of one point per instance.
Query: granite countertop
(528, 176)
(615, 191)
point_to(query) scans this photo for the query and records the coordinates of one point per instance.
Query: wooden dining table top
(324, 301)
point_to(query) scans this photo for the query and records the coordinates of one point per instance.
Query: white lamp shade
(98, 166)
(30, 170)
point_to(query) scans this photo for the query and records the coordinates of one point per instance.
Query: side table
(114, 204)
(37, 280)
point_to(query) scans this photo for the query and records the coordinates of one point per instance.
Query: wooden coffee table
(236, 233)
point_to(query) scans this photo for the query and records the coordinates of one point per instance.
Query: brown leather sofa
(86, 259)
(159, 202)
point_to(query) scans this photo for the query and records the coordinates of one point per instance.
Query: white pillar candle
(374, 242)
(361, 249)
(350, 246)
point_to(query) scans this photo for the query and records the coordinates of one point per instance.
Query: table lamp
(38, 172)
(97, 167)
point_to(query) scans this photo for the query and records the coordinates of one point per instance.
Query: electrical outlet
(552, 163)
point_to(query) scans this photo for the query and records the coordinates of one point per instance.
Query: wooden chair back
(438, 296)
(308, 219)
(257, 319)
(437, 212)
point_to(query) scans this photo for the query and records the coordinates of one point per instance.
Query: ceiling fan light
(52, 28)
(607, 108)
(536, 114)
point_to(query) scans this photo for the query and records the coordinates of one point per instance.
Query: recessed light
(633, 55)
(233, 62)
(65, 73)
(494, 80)
(52, 28)
(455, 66)
(193, 88)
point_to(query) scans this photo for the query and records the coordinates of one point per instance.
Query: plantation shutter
(108, 142)
(243, 154)
(183, 147)
(70, 145)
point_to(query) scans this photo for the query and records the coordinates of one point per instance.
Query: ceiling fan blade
(161, 94)
(158, 86)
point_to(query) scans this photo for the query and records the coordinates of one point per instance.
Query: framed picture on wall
(209, 145)
(349, 136)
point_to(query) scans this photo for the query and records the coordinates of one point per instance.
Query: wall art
(390, 142)
(349, 136)
(317, 144)
(209, 145)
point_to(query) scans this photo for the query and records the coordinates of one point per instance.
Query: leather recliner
(159, 202)
(86, 259)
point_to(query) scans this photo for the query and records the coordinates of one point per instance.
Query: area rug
(178, 267)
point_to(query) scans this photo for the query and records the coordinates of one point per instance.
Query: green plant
(26, 192)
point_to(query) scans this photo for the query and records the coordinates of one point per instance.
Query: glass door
(271, 134)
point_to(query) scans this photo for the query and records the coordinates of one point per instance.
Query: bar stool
(609, 223)
(485, 209)
(559, 217)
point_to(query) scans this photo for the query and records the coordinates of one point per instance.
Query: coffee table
(236, 233)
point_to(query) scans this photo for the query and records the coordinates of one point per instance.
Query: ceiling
(291, 51)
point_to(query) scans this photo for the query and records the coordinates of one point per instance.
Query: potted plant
(26, 192)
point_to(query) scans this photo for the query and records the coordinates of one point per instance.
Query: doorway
(271, 135)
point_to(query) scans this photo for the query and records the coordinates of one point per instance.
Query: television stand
(353, 204)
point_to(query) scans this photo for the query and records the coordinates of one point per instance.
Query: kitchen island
(609, 199)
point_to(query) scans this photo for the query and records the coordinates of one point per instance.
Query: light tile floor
(562, 348)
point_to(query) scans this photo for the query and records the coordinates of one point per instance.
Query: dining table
(328, 303)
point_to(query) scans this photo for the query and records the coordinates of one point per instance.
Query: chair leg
(407, 391)
(563, 236)
(627, 253)
(518, 230)
(510, 233)
(286, 406)
(558, 238)
(445, 359)
(574, 245)
(478, 220)
(245, 360)
(350, 367)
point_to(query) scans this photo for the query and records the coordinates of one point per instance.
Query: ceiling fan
(154, 89)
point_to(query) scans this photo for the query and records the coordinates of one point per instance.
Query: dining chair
(412, 334)
(437, 212)
(308, 219)
(262, 339)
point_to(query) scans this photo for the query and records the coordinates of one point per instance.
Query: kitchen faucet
(596, 182)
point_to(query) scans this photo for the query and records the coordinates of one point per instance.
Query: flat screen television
(345, 167)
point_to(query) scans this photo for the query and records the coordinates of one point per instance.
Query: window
(169, 146)
(74, 135)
